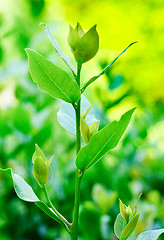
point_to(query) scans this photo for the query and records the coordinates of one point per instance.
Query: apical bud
(83, 45)
(94, 127)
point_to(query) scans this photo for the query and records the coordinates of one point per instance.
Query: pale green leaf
(26, 193)
(79, 29)
(150, 235)
(58, 50)
(102, 141)
(52, 79)
(119, 225)
(40, 171)
(91, 80)
(87, 46)
(66, 115)
(38, 153)
(130, 227)
(84, 128)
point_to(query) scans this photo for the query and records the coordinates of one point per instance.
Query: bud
(123, 208)
(84, 128)
(41, 167)
(84, 46)
(129, 212)
(94, 127)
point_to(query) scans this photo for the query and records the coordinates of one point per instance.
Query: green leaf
(84, 128)
(123, 208)
(79, 29)
(150, 235)
(130, 227)
(102, 142)
(119, 225)
(66, 115)
(87, 46)
(26, 193)
(40, 171)
(58, 50)
(94, 127)
(91, 80)
(52, 79)
(73, 38)
(135, 208)
(38, 153)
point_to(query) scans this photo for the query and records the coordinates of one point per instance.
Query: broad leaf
(119, 225)
(52, 79)
(103, 141)
(58, 50)
(91, 80)
(130, 227)
(26, 193)
(66, 115)
(150, 235)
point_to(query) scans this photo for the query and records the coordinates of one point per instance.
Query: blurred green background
(28, 116)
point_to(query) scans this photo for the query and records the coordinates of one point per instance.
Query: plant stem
(74, 233)
(66, 223)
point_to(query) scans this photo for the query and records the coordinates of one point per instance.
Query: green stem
(66, 223)
(74, 233)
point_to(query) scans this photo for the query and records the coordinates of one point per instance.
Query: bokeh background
(28, 116)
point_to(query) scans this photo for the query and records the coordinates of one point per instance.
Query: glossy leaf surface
(150, 235)
(66, 115)
(52, 79)
(26, 193)
(103, 141)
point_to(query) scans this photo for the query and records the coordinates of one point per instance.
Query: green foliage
(119, 225)
(52, 79)
(102, 142)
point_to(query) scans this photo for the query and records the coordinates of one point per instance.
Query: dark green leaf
(52, 79)
(150, 235)
(102, 142)
(119, 225)
(91, 80)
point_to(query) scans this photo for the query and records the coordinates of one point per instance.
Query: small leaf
(40, 171)
(52, 79)
(84, 128)
(87, 46)
(49, 161)
(66, 115)
(26, 193)
(135, 208)
(73, 38)
(91, 80)
(79, 29)
(119, 225)
(94, 127)
(150, 235)
(130, 227)
(58, 50)
(103, 141)
(123, 208)
(38, 153)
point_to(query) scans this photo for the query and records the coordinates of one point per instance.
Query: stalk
(74, 232)
(66, 223)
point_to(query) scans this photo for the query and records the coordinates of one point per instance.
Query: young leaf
(119, 225)
(79, 29)
(38, 153)
(150, 235)
(123, 208)
(52, 79)
(26, 193)
(66, 115)
(73, 38)
(40, 171)
(130, 227)
(87, 46)
(91, 80)
(102, 142)
(135, 208)
(84, 128)
(58, 50)
(94, 127)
